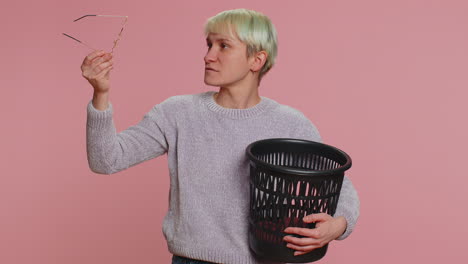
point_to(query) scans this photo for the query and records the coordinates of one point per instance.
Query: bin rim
(298, 171)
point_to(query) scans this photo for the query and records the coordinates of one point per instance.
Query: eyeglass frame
(115, 41)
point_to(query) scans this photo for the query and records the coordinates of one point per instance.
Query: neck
(237, 99)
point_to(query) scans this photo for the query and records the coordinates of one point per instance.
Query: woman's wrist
(342, 225)
(101, 101)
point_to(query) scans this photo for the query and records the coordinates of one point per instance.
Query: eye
(223, 45)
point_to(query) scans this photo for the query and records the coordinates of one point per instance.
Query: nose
(210, 56)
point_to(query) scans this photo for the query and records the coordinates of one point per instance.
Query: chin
(212, 83)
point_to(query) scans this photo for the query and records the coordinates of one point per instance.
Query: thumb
(312, 218)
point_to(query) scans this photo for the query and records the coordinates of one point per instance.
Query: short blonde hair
(252, 28)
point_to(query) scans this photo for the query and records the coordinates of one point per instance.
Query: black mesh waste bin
(289, 179)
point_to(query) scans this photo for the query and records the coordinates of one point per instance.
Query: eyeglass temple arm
(83, 17)
(72, 37)
(96, 15)
(79, 41)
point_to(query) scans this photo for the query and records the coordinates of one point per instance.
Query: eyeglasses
(115, 41)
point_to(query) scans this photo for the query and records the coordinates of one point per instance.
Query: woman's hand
(96, 68)
(327, 228)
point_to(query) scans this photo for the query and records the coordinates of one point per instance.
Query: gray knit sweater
(205, 144)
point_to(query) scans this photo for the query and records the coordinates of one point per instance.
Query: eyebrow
(220, 39)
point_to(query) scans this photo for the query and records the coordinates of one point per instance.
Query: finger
(312, 218)
(100, 59)
(99, 68)
(106, 64)
(95, 73)
(103, 76)
(298, 253)
(303, 248)
(88, 59)
(90, 64)
(303, 231)
(301, 241)
(104, 72)
(99, 75)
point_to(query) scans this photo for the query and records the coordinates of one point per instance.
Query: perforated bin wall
(289, 179)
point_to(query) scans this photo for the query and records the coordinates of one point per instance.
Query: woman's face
(228, 59)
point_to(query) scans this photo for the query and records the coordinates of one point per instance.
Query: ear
(258, 60)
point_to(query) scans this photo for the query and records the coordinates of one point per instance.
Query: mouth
(209, 69)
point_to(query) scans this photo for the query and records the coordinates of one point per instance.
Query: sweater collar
(232, 113)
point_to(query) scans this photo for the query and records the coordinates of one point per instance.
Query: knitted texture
(205, 145)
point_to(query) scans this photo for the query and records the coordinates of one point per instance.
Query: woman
(205, 136)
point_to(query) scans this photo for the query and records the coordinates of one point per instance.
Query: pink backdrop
(383, 80)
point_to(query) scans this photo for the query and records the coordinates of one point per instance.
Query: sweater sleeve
(109, 152)
(348, 203)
